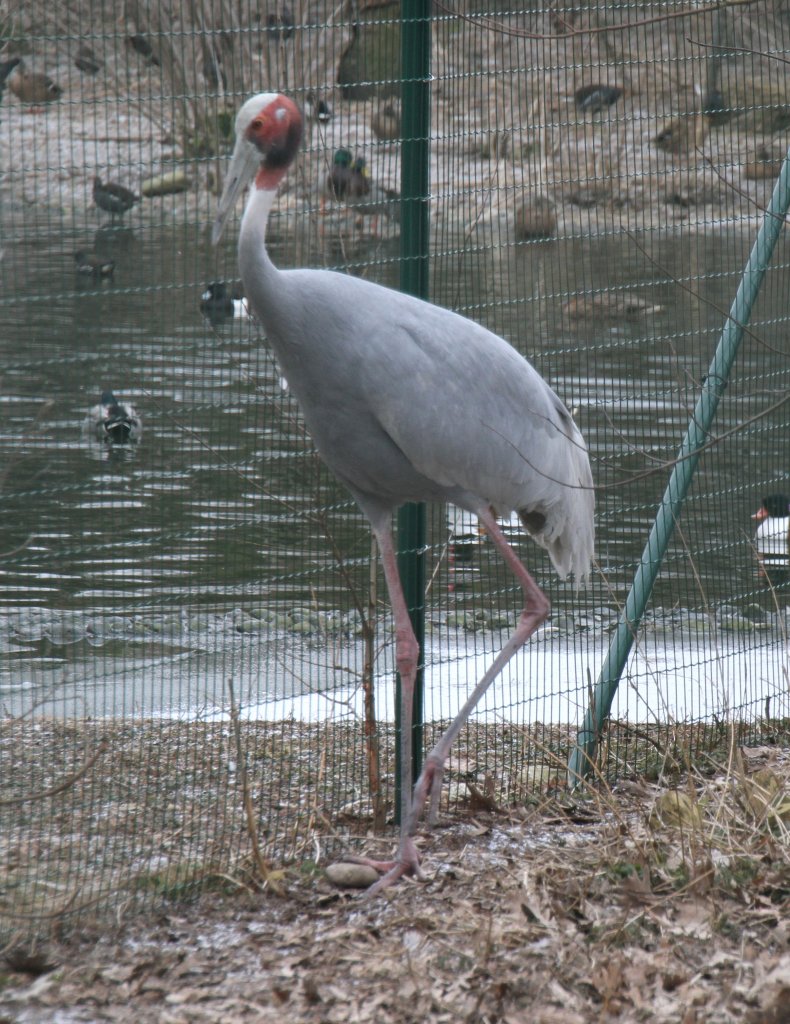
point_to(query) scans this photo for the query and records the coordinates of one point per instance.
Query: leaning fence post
(583, 753)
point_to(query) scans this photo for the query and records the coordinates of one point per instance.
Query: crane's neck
(254, 263)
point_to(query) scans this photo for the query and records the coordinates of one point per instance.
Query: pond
(142, 576)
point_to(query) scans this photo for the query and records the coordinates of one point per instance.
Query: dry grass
(641, 903)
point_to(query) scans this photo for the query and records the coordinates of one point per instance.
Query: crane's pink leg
(535, 612)
(407, 653)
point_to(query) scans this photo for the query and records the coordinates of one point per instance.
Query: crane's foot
(407, 862)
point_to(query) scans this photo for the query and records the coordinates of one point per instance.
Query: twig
(264, 869)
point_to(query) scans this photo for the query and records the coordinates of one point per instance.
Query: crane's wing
(408, 399)
(475, 414)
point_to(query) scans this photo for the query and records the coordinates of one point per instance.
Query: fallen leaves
(668, 907)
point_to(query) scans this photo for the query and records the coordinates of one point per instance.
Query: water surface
(145, 576)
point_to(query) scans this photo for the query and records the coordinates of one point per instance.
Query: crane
(407, 401)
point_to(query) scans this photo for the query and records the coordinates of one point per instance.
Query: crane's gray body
(410, 402)
(407, 401)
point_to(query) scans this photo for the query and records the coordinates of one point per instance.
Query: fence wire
(194, 612)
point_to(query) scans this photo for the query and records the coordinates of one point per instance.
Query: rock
(609, 305)
(351, 876)
(165, 184)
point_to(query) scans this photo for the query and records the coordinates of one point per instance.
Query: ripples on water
(155, 550)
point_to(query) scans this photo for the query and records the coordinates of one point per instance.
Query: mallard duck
(535, 218)
(771, 538)
(346, 182)
(113, 199)
(375, 201)
(115, 422)
(592, 98)
(317, 109)
(221, 302)
(385, 124)
(32, 87)
(88, 264)
(87, 61)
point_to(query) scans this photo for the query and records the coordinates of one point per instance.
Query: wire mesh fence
(191, 618)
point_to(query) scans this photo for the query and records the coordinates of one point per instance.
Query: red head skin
(277, 133)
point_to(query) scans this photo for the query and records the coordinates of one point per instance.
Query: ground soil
(635, 905)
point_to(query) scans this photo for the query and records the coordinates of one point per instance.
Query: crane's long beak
(243, 165)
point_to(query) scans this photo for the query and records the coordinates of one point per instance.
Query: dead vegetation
(643, 904)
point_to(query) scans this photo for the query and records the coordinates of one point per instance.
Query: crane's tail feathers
(567, 529)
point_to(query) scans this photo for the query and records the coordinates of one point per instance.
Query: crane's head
(268, 133)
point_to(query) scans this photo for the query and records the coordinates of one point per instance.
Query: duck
(317, 109)
(142, 46)
(115, 422)
(771, 538)
(465, 535)
(466, 532)
(88, 264)
(220, 302)
(113, 199)
(374, 200)
(87, 61)
(680, 135)
(345, 182)
(385, 123)
(716, 107)
(32, 87)
(280, 24)
(595, 97)
(761, 165)
(6, 67)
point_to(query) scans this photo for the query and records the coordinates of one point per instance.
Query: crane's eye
(256, 124)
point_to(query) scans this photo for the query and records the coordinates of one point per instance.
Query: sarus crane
(409, 402)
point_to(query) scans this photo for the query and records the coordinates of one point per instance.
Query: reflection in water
(215, 535)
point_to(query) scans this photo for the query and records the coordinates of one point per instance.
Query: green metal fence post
(583, 753)
(414, 266)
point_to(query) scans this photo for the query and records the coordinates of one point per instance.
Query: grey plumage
(407, 401)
